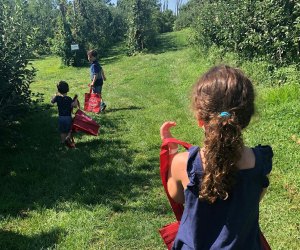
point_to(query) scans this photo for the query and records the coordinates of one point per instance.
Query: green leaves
(15, 49)
(91, 24)
(252, 28)
(143, 24)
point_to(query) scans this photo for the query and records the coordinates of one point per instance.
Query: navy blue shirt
(96, 70)
(64, 104)
(225, 224)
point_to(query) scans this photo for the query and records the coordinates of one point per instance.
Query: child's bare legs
(69, 140)
(102, 106)
(98, 90)
(63, 137)
(65, 123)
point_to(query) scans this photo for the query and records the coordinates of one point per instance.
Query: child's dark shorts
(97, 89)
(64, 124)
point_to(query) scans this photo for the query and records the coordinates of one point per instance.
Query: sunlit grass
(106, 194)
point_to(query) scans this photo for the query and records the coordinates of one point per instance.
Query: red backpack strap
(164, 169)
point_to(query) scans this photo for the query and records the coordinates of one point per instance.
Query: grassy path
(106, 194)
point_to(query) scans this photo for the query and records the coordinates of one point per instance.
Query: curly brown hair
(222, 89)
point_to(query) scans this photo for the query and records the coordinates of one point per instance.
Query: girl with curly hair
(222, 183)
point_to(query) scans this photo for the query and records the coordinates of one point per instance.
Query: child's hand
(165, 130)
(52, 98)
(165, 133)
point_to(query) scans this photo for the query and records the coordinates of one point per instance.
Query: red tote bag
(169, 231)
(92, 102)
(82, 122)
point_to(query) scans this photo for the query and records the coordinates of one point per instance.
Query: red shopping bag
(169, 231)
(82, 122)
(92, 102)
(164, 168)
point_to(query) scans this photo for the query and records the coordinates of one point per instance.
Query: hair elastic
(224, 114)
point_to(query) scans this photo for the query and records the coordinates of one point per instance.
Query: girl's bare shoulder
(179, 165)
(180, 160)
(247, 160)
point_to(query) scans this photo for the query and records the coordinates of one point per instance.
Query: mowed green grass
(107, 193)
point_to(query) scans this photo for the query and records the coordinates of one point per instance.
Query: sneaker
(103, 107)
(70, 143)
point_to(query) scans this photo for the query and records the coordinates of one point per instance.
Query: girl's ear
(200, 123)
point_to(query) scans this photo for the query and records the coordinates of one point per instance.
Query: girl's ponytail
(222, 149)
(223, 99)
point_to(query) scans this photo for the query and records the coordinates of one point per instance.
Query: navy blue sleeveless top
(225, 224)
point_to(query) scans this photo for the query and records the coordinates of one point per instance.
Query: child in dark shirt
(65, 104)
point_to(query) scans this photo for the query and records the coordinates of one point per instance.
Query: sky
(171, 3)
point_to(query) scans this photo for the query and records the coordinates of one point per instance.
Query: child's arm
(94, 80)
(165, 133)
(263, 192)
(95, 71)
(75, 102)
(103, 75)
(176, 175)
(178, 165)
(53, 99)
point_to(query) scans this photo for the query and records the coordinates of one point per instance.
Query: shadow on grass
(39, 172)
(113, 54)
(165, 43)
(14, 241)
(121, 109)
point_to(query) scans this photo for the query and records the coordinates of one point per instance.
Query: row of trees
(96, 24)
(252, 28)
(16, 44)
(90, 24)
(93, 24)
(29, 28)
